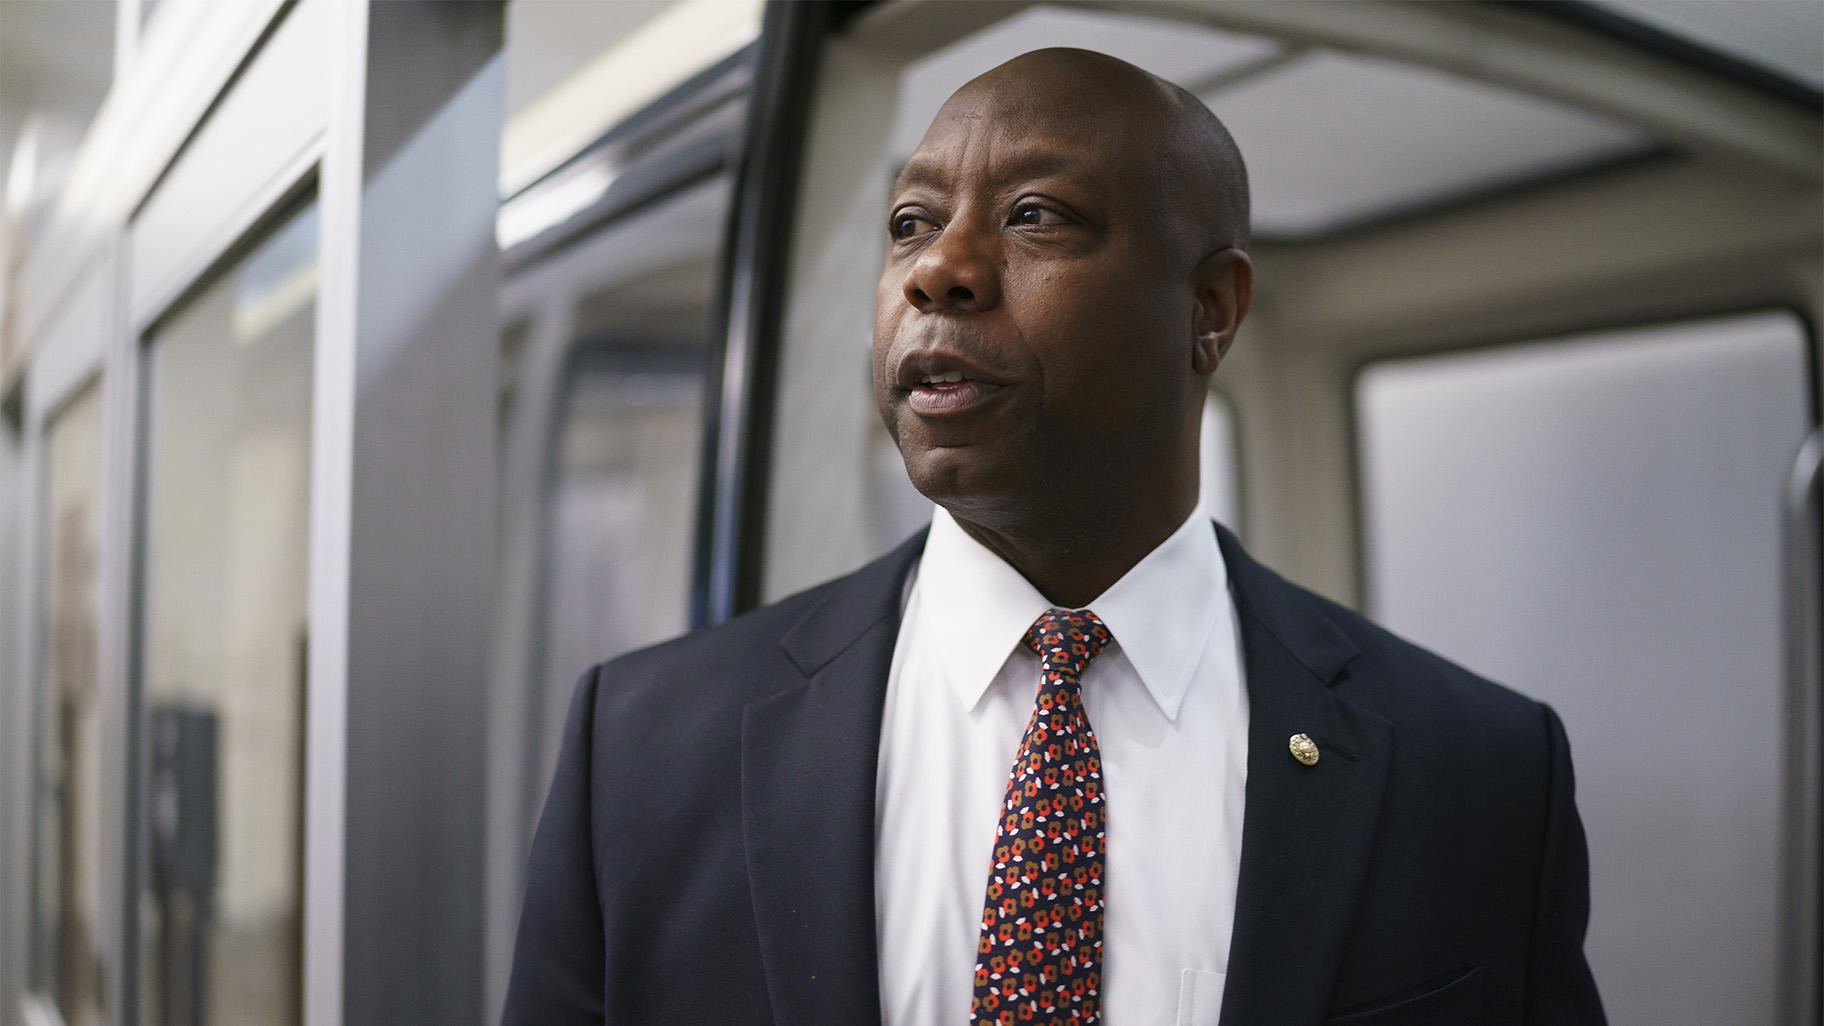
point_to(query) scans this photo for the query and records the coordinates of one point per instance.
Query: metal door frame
(227, 113)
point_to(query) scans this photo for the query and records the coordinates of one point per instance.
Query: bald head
(1187, 152)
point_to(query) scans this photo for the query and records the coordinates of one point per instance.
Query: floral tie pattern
(1039, 959)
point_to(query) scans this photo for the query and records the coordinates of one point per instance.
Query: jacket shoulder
(748, 655)
(740, 638)
(1426, 695)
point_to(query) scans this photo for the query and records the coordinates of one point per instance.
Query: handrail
(1803, 769)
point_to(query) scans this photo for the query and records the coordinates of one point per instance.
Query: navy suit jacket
(706, 854)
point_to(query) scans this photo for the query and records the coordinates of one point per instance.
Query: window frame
(49, 405)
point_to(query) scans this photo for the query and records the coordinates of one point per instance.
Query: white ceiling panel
(1333, 139)
(1187, 54)
(1783, 36)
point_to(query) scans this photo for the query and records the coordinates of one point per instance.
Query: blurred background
(369, 370)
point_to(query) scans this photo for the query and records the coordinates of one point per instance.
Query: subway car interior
(370, 370)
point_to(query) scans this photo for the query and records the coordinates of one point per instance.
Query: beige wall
(1662, 239)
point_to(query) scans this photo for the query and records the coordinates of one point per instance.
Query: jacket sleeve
(1560, 990)
(557, 958)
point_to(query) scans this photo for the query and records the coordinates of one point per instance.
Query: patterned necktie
(1039, 959)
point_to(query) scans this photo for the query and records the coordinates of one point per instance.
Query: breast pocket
(1200, 997)
(1455, 1000)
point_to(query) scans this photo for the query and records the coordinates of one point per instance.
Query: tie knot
(1067, 639)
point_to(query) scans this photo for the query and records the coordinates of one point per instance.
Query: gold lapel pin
(1303, 749)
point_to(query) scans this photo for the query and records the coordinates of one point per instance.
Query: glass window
(223, 640)
(66, 961)
(1595, 522)
(620, 511)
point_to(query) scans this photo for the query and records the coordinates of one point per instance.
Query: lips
(941, 384)
(944, 398)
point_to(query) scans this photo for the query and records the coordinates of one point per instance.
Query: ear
(1224, 287)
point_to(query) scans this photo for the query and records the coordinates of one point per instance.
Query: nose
(958, 272)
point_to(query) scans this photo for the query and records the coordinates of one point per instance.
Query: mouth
(946, 398)
(938, 385)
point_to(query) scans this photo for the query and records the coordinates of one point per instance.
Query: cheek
(1103, 346)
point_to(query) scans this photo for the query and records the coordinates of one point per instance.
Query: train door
(613, 239)
(221, 305)
(168, 414)
(235, 620)
(1429, 179)
(71, 922)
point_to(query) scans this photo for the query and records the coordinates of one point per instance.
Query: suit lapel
(1307, 831)
(808, 761)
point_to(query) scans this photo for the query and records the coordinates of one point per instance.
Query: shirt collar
(1160, 612)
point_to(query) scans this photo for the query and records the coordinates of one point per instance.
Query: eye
(1030, 214)
(906, 224)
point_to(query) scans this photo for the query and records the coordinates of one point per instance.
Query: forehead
(1006, 134)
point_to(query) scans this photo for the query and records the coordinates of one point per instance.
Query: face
(1035, 319)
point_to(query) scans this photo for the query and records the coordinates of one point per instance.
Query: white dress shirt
(1170, 714)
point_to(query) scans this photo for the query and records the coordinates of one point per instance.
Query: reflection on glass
(620, 515)
(623, 506)
(66, 964)
(223, 619)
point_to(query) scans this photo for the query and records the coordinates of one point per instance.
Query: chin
(957, 477)
(944, 472)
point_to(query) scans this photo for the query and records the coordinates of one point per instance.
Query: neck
(1073, 556)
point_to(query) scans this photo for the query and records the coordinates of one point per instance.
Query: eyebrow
(1030, 164)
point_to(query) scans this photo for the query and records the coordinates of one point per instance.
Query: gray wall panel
(1595, 522)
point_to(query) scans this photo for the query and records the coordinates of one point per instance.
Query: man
(1072, 755)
